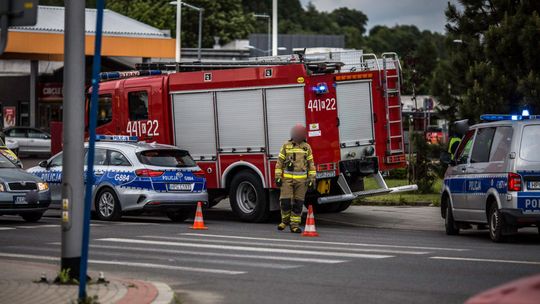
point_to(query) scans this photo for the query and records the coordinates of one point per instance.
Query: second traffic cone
(198, 223)
(310, 224)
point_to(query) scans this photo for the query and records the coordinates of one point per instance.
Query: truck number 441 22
(316, 105)
(143, 128)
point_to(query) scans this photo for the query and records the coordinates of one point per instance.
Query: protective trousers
(293, 192)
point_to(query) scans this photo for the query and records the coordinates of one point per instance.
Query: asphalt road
(236, 262)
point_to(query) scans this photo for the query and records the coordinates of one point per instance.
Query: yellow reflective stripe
(296, 219)
(295, 151)
(310, 157)
(281, 156)
(278, 170)
(294, 176)
(312, 172)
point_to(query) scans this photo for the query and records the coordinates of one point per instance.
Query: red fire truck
(233, 117)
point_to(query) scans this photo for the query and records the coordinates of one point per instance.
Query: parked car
(10, 150)
(30, 140)
(136, 176)
(22, 193)
(494, 177)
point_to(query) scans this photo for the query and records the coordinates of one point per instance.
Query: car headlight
(43, 186)
(2, 189)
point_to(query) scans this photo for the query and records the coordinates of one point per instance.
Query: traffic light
(16, 13)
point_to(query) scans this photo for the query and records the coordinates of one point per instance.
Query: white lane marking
(245, 248)
(129, 264)
(215, 254)
(6, 228)
(390, 251)
(485, 260)
(37, 226)
(323, 242)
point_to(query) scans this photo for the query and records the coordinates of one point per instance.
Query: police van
(133, 176)
(494, 177)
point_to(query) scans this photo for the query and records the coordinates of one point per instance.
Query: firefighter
(295, 174)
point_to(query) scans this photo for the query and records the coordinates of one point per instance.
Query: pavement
(22, 283)
(366, 254)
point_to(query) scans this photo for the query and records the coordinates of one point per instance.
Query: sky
(425, 14)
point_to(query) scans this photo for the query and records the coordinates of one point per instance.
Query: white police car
(494, 178)
(135, 176)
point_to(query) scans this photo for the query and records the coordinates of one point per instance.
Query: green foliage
(64, 277)
(496, 67)
(424, 171)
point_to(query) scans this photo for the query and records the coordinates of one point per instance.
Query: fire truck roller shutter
(284, 109)
(354, 104)
(241, 121)
(195, 111)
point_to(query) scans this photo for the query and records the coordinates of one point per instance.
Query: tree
(495, 67)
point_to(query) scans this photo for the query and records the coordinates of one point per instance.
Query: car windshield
(530, 144)
(5, 162)
(166, 158)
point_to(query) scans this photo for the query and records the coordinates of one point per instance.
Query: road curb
(165, 293)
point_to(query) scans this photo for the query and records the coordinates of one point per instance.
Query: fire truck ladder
(392, 98)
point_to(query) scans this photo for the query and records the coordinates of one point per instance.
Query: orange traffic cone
(310, 224)
(198, 223)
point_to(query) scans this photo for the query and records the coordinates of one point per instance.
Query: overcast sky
(425, 14)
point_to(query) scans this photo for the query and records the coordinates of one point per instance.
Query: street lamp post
(269, 46)
(201, 11)
(178, 31)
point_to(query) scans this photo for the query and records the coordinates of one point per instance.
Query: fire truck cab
(234, 117)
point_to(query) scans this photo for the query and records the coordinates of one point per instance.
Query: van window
(138, 105)
(501, 144)
(482, 145)
(105, 112)
(464, 149)
(530, 143)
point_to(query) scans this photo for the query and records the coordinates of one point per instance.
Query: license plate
(180, 187)
(20, 200)
(326, 174)
(534, 185)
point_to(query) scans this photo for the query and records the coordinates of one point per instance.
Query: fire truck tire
(327, 208)
(248, 197)
(344, 206)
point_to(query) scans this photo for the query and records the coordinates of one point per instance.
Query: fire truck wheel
(343, 206)
(107, 205)
(248, 197)
(327, 208)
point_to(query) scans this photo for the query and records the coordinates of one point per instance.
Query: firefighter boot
(296, 216)
(285, 214)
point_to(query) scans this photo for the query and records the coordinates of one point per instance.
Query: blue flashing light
(321, 88)
(525, 113)
(515, 117)
(119, 138)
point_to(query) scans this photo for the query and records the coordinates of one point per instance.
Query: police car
(494, 177)
(135, 176)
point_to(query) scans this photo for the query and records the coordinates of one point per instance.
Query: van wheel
(496, 224)
(248, 197)
(450, 224)
(32, 217)
(107, 205)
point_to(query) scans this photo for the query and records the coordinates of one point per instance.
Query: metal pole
(269, 47)
(34, 74)
(178, 30)
(92, 122)
(274, 28)
(200, 34)
(72, 179)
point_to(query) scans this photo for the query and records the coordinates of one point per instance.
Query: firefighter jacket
(295, 161)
